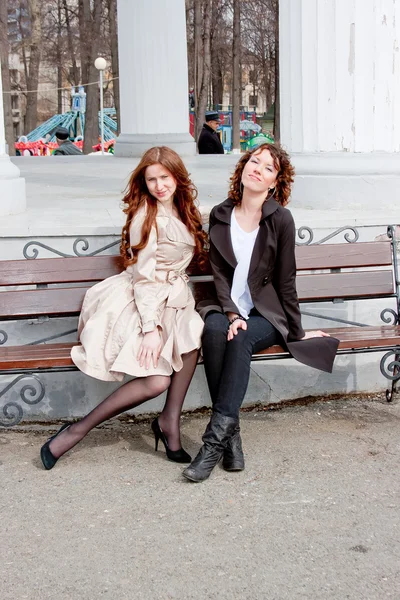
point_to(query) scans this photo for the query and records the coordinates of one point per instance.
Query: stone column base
(134, 144)
(13, 195)
(346, 181)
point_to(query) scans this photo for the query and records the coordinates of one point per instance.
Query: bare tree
(5, 75)
(85, 18)
(92, 92)
(32, 73)
(277, 113)
(220, 49)
(202, 54)
(236, 76)
(74, 70)
(112, 17)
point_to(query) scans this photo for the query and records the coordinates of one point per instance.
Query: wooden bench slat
(344, 285)
(355, 337)
(36, 357)
(336, 256)
(58, 354)
(324, 286)
(47, 270)
(52, 302)
(97, 268)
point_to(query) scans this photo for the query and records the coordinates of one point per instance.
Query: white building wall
(340, 75)
(153, 76)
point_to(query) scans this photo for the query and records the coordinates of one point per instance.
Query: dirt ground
(314, 516)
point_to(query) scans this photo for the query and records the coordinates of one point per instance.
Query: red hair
(137, 195)
(282, 164)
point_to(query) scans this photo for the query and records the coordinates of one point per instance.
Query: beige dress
(153, 292)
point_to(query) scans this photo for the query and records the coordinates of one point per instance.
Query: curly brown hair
(137, 195)
(284, 178)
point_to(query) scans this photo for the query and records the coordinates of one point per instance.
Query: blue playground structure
(74, 121)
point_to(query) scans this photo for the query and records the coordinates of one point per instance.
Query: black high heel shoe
(48, 458)
(179, 456)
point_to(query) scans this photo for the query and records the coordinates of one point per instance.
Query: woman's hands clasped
(150, 349)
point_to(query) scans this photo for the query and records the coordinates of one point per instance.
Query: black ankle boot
(233, 454)
(216, 436)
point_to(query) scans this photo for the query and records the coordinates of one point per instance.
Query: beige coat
(153, 292)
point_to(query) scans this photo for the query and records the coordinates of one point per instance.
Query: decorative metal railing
(31, 250)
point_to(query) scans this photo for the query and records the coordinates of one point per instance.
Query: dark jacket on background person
(209, 141)
(66, 148)
(271, 280)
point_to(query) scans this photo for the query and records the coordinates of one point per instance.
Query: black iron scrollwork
(29, 394)
(390, 370)
(302, 233)
(35, 251)
(85, 247)
(391, 233)
(389, 316)
(30, 250)
(351, 236)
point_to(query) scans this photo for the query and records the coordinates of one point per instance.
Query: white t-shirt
(243, 244)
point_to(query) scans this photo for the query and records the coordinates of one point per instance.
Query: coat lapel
(259, 247)
(269, 207)
(220, 233)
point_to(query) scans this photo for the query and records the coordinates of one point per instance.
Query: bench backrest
(351, 271)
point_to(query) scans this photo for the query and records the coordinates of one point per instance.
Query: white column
(340, 98)
(12, 186)
(153, 77)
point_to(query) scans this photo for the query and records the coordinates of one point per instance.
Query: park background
(335, 106)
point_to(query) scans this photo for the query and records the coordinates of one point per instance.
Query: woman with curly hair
(252, 243)
(143, 322)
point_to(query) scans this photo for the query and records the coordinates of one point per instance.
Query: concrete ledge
(346, 181)
(13, 195)
(347, 163)
(130, 144)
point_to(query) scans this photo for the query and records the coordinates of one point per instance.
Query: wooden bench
(334, 273)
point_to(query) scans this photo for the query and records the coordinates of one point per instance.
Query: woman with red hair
(252, 255)
(143, 322)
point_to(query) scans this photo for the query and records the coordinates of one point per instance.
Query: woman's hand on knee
(234, 328)
(150, 349)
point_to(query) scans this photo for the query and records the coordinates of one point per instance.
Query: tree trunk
(112, 17)
(34, 62)
(85, 19)
(203, 63)
(216, 72)
(198, 62)
(236, 79)
(59, 61)
(92, 91)
(277, 112)
(75, 71)
(5, 76)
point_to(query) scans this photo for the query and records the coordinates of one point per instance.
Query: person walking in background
(252, 255)
(209, 141)
(65, 146)
(143, 322)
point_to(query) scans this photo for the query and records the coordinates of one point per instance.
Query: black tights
(227, 364)
(129, 396)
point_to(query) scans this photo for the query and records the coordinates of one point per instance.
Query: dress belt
(179, 293)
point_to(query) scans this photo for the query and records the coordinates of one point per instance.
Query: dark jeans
(227, 364)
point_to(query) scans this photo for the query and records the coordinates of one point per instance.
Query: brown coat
(271, 279)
